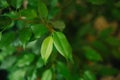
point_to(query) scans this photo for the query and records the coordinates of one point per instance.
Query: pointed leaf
(62, 45)
(42, 9)
(47, 75)
(46, 48)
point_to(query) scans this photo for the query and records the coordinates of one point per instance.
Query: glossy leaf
(47, 75)
(46, 48)
(62, 45)
(25, 35)
(91, 54)
(39, 30)
(42, 9)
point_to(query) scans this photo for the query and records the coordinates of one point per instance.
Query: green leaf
(42, 9)
(15, 3)
(84, 30)
(8, 62)
(101, 47)
(25, 35)
(17, 75)
(5, 21)
(40, 63)
(54, 3)
(32, 75)
(89, 76)
(62, 45)
(7, 39)
(115, 13)
(107, 71)
(116, 53)
(63, 70)
(98, 2)
(39, 30)
(0, 36)
(47, 75)
(46, 48)
(105, 33)
(91, 54)
(25, 60)
(118, 4)
(113, 41)
(3, 4)
(59, 25)
(28, 13)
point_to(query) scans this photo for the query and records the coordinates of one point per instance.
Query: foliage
(59, 39)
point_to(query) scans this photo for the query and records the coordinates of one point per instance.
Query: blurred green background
(92, 28)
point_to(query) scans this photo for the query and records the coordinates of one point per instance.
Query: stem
(50, 28)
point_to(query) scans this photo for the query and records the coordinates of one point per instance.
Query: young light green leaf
(42, 9)
(62, 45)
(47, 75)
(46, 48)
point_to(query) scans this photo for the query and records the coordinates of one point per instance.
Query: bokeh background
(93, 30)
